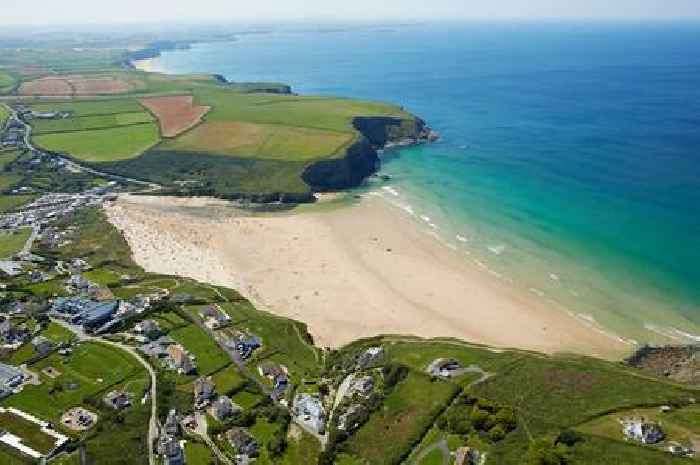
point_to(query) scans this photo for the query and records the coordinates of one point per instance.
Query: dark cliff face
(361, 158)
(360, 161)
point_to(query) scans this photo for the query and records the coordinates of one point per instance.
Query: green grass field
(209, 356)
(62, 59)
(84, 123)
(9, 203)
(269, 141)
(103, 145)
(81, 108)
(91, 369)
(10, 458)
(407, 414)
(197, 453)
(284, 340)
(12, 242)
(4, 111)
(228, 379)
(309, 112)
(8, 82)
(30, 432)
(53, 332)
(680, 425)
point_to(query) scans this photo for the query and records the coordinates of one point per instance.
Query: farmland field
(176, 114)
(77, 85)
(7, 82)
(91, 107)
(83, 123)
(268, 141)
(312, 112)
(101, 145)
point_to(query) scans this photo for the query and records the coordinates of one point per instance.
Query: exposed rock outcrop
(679, 363)
(361, 158)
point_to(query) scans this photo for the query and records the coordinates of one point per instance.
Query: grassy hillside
(102, 145)
(251, 144)
(4, 112)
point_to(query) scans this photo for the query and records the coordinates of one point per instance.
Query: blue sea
(569, 163)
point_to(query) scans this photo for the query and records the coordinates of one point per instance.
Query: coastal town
(107, 358)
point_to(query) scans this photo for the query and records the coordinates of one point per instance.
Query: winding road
(150, 186)
(153, 423)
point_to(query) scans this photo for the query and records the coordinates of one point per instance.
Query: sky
(21, 12)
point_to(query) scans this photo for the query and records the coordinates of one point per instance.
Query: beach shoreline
(148, 65)
(347, 279)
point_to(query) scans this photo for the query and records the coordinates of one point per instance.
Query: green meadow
(84, 123)
(9, 203)
(290, 110)
(407, 414)
(12, 242)
(90, 370)
(80, 108)
(102, 145)
(4, 111)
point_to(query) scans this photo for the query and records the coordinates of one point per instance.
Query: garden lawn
(197, 453)
(92, 368)
(103, 145)
(209, 356)
(228, 379)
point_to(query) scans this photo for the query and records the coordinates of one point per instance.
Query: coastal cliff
(362, 158)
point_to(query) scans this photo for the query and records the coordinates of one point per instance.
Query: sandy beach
(149, 65)
(347, 272)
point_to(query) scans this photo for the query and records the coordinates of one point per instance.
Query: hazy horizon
(74, 12)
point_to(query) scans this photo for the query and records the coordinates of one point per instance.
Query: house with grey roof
(223, 408)
(309, 410)
(11, 377)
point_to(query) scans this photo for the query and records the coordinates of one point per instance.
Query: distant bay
(570, 158)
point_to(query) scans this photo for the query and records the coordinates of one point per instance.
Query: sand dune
(347, 272)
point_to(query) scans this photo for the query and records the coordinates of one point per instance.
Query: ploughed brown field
(75, 85)
(176, 114)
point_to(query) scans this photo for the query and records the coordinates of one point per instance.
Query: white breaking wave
(462, 238)
(672, 333)
(497, 249)
(391, 190)
(537, 292)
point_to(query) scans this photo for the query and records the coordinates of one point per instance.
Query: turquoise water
(570, 158)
